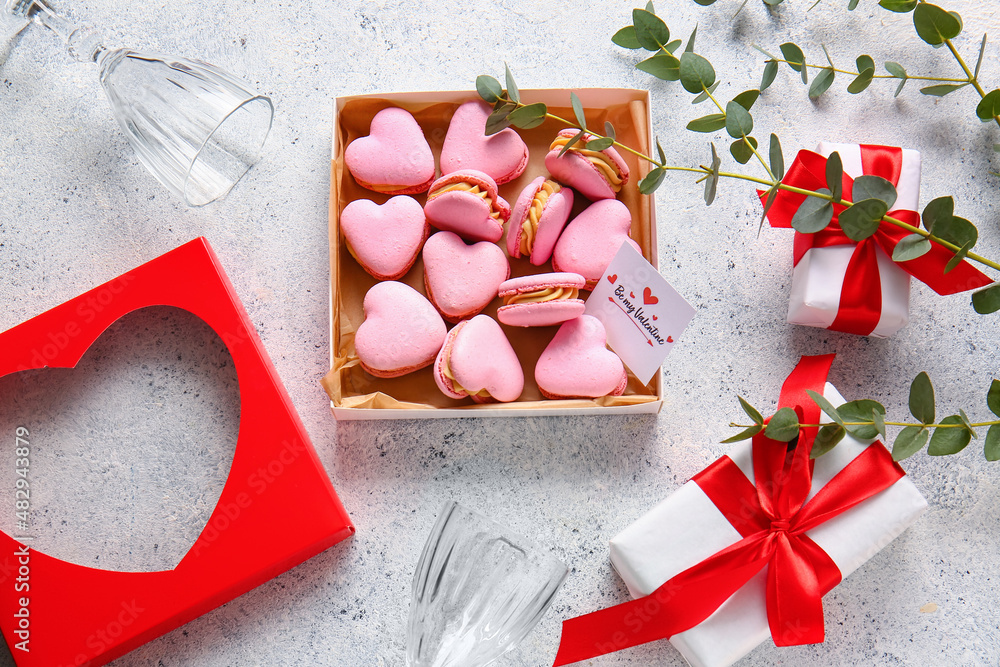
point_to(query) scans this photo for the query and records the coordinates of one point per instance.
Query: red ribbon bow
(773, 516)
(861, 296)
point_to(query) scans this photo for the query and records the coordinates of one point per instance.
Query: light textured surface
(78, 209)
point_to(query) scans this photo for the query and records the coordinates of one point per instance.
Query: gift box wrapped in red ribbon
(856, 287)
(748, 547)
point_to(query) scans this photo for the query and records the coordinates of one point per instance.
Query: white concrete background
(78, 209)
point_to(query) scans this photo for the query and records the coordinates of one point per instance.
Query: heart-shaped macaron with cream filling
(578, 364)
(503, 155)
(394, 158)
(402, 331)
(477, 360)
(591, 240)
(594, 174)
(386, 238)
(467, 202)
(462, 279)
(539, 215)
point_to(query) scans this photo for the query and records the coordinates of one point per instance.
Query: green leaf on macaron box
(488, 88)
(529, 116)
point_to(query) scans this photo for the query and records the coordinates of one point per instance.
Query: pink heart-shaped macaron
(577, 363)
(477, 360)
(591, 240)
(385, 239)
(394, 158)
(462, 279)
(503, 155)
(402, 331)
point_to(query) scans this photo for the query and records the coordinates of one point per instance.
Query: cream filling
(459, 389)
(530, 225)
(598, 158)
(547, 294)
(462, 186)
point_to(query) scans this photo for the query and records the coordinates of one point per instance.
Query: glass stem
(82, 42)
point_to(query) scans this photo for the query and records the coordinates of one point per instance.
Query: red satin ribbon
(772, 516)
(861, 295)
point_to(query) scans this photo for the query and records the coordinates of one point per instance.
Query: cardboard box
(355, 394)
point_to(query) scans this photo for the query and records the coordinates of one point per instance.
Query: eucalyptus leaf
(826, 406)
(488, 88)
(600, 144)
(663, 66)
(744, 434)
(739, 122)
(822, 82)
(957, 258)
(784, 425)
(710, 123)
(690, 45)
(922, 398)
(987, 300)
(796, 59)
(956, 230)
(879, 420)
(874, 187)
(752, 412)
(865, 62)
(947, 441)
(826, 439)
(770, 71)
(704, 3)
(989, 106)
(942, 89)
(852, 5)
(896, 70)
(626, 38)
(861, 411)
(899, 88)
(712, 183)
(911, 247)
(967, 424)
(649, 7)
(512, 91)
(991, 449)
(498, 120)
(659, 151)
(697, 74)
(898, 6)
(813, 215)
(942, 208)
(569, 144)
(979, 61)
(861, 82)
(581, 119)
(935, 25)
(705, 93)
(650, 30)
(747, 98)
(862, 219)
(652, 180)
(777, 160)
(672, 46)
(908, 442)
(529, 116)
(993, 398)
(835, 176)
(742, 152)
(609, 130)
(772, 194)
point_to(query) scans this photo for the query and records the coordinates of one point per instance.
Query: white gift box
(686, 528)
(818, 277)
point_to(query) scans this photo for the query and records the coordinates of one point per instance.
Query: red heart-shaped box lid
(277, 508)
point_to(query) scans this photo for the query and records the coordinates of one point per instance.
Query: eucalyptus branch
(865, 420)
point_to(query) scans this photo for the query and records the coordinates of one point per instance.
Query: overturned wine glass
(478, 590)
(197, 128)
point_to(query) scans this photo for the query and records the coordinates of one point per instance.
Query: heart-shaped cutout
(385, 239)
(648, 298)
(394, 158)
(578, 364)
(462, 279)
(129, 450)
(478, 359)
(402, 331)
(503, 155)
(612, 278)
(591, 239)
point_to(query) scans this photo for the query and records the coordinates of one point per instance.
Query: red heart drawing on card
(115, 407)
(612, 278)
(632, 294)
(670, 339)
(648, 298)
(655, 318)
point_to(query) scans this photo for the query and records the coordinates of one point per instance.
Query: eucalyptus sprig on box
(865, 420)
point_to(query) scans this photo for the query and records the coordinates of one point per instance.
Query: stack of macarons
(457, 233)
